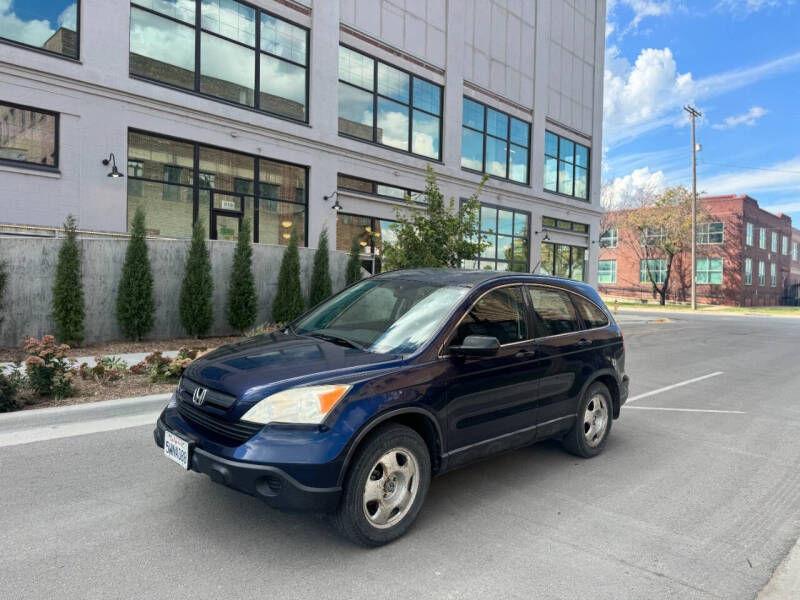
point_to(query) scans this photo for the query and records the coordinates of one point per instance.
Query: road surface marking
(52, 432)
(672, 387)
(700, 410)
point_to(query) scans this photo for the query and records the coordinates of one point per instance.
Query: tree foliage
(436, 235)
(3, 282)
(68, 308)
(321, 286)
(135, 305)
(242, 299)
(353, 272)
(288, 303)
(196, 309)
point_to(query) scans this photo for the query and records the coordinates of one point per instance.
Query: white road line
(41, 434)
(672, 387)
(700, 410)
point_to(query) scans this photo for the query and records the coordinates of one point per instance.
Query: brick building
(744, 258)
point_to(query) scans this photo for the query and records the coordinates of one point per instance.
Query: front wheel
(385, 486)
(589, 434)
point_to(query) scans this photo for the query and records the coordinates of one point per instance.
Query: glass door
(226, 216)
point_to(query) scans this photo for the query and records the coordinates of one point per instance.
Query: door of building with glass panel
(226, 216)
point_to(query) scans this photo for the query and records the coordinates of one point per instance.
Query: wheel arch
(609, 379)
(418, 419)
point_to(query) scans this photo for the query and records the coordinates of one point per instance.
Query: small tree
(288, 303)
(321, 286)
(135, 305)
(196, 310)
(3, 280)
(242, 300)
(438, 235)
(353, 272)
(68, 307)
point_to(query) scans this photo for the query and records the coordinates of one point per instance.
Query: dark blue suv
(355, 405)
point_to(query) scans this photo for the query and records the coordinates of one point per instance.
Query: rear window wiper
(336, 339)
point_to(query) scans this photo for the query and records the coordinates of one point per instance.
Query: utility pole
(693, 113)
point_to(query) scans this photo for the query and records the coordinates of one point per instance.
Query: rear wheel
(385, 486)
(591, 429)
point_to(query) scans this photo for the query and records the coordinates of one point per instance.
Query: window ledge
(39, 172)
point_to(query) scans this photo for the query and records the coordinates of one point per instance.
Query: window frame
(607, 240)
(762, 275)
(749, 231)
(784, 245)
(773, 242)
(483, 232)
(196, 187)
(613, 272)
(376, 95)
(373, 220)
(773, 275)
(748, 271)
(647, 268)
(704, 233)
(56, 166)
(762, 238)
(484, 134)
(708, 270)
(375, 184)
(555, 258)
(199, 30)
(795, 251)
(574, 165)
(47, 52)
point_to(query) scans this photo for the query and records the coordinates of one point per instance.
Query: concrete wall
(31, 264)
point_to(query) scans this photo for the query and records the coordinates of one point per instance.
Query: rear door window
(591, 313)
(553, 311)
(500, 314)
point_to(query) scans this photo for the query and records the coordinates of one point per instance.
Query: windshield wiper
(336, 339)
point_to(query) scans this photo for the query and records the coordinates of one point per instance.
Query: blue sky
(738, 62)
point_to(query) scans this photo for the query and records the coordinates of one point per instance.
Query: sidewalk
(785, 582)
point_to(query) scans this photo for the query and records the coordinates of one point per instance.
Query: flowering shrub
(163, 369)
(48, 368)
(10, 383)
(107, 369)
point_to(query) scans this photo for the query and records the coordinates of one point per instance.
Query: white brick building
(200, 99)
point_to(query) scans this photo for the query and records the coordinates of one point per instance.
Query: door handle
(525, 354)
(583, 342)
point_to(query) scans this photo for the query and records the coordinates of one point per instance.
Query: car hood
(265, 364)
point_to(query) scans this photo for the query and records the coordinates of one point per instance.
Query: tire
(385, 486)
(589, 434)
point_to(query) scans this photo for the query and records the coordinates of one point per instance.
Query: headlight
(297, 405)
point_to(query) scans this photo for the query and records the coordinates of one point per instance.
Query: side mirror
(476, 345)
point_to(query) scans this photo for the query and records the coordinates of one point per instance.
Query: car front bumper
(269, 483)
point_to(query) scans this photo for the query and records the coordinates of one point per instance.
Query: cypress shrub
(354, 263)
(135, 306)
(196, 310)
(242, 300)
(68, 307)
(321, 286)
(3, 280)
(288, 303)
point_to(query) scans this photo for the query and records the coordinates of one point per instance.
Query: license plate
(176, 449)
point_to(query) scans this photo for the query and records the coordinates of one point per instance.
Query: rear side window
(554, 311)
(500, 314)
(592, 315)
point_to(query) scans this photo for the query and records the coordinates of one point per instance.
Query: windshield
(387, 316)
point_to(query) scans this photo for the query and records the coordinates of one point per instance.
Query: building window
(784, 245)
(709, 270)
(762, 238)
(371, 233)
(653, 236)
(506, 231)
(748, 271)
(374, 188)
(607, 271)
(657, 268)
(749, 235)
(161, 179)
(551, 223)
(28, 137)
(608, 239)
(761, 276)
(246, 56)
(495, 143)
(562, 260)
(710, 233)
(795, 251)
(774, 243)
(49, 26)
(566, 166)
(385, 105)
(773, 276)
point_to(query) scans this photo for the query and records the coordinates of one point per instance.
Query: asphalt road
(682, 504)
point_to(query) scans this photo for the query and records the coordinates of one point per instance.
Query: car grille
(239, 431)
(186, 388)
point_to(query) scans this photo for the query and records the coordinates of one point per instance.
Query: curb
(785, 582)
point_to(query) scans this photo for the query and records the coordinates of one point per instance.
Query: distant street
(696, 496)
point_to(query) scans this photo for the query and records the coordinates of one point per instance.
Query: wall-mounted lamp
(336, 206)
(286, 224)
(546, 237)
(114, 170)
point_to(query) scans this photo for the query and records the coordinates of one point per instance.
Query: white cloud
(749, 118)
(34, 32)
(632, 188)
(640, 10)
(69, 17)
(778, 177)
(750, 6)
(650, 93)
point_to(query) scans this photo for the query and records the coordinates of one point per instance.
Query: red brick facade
(735, 212)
